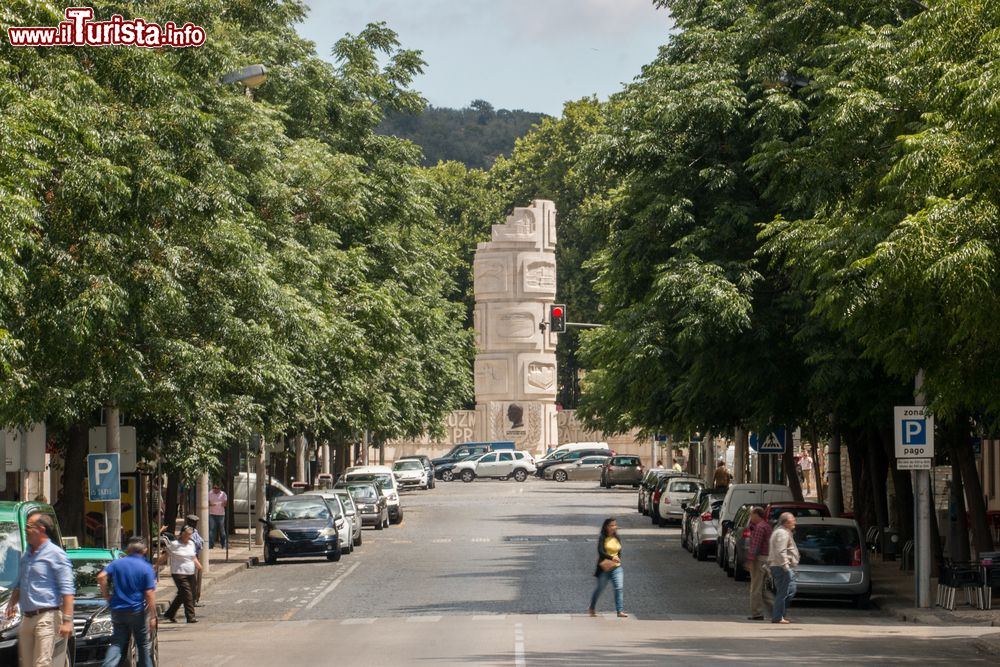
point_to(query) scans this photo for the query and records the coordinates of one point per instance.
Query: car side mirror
(684, 506)
(727, 524)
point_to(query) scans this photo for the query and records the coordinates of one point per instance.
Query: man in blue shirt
(134, 594)
(44, 583)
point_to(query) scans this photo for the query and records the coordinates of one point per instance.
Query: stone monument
(515, 371)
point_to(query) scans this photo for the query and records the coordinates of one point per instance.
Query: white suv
(502, 464)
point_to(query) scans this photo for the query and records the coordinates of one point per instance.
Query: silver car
(351, 510)
(833, 561)
(705, 526)
(588, 467)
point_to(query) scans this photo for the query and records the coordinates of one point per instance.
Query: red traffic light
(557, 311)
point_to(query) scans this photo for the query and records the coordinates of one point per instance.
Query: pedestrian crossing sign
(768, 441)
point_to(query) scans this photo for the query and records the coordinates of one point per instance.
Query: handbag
(607, 565)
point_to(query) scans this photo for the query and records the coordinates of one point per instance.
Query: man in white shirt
(183, 567)
(806, 463)
(783, 559)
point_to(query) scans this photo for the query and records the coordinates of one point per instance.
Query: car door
(505, 464)
(487, 466)
(589, 468)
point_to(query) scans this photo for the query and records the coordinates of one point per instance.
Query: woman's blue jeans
(617, 577)
(784, 591)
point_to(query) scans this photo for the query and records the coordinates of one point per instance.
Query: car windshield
(383, 478)
(826, 545)
(299, 509)
(347, 500)
(85, 575)
(363, 492)
(10, 553)
(684, 487)
(408, 465)
(795, 511)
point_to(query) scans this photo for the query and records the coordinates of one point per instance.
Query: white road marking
(480, 539)
(519, 645)
(445, 540)
(358, 621)
(489, 617)
(423, 619)
(554, 617)
(558, 539)
(242, 600)
(329, 589)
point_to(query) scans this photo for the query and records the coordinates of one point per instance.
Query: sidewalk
(219, 568)
(894, 593)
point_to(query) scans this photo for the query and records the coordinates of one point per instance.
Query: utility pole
(112, 508)
(261, 499)
(922, 516)
(203, 519)
(835, 489)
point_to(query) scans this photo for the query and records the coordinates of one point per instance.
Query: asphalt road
(500, 573)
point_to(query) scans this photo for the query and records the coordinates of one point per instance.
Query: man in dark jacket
(760, 538)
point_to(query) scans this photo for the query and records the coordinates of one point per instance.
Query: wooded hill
(474, 136)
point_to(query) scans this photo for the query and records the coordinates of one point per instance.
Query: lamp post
(249, 77)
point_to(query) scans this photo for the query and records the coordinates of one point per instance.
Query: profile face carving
(515, 413)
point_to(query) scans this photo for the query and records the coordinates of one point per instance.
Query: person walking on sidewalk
(183, 566)
(756, 564)
(217, 501)
(609, 567)
(199, 545)
(44, 584)
(806, 463)
(783, 559)
(722, 478)
(133, 598)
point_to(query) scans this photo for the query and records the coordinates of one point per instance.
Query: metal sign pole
(249, 522)
(922, 517)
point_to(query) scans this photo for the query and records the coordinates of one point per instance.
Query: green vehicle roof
(9, 508)
(91, 553)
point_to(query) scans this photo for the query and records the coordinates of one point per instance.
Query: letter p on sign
(914, 432)
(104, 480)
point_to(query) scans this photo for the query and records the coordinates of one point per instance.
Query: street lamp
(249, 77)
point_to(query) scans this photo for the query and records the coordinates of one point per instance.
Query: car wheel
(740, 573)
(433, 482)
(560, 476)
(447, 476)
(399, 519)
(654, 515)
(269, 556)
(380, 525)
(468, 476)
(863, 601)
(520, 475)
(662, 522)
(357, 541)
(334, 557)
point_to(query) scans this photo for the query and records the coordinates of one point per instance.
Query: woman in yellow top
(609, 567)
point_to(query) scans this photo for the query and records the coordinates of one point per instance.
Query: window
(506, 456)
(684, 487)
(85, 575)
(625, 461)
(519, 456)
(489, 458)
(10, 553)
(826, 545)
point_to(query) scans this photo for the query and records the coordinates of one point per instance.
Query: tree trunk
(835, 489)
(791, 474)
(817, 474)
(69, 509)
(855, 456)
(973, 490)
(877, 476)
(903, 485)
(958, 528)
(740, 456)
(173, 490)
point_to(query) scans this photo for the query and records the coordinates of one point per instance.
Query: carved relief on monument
(550, 227)
(516, 324)
(538, 273)
(538, 375)
(492, 274)
(491, 376)
(517, 421)
(478, 323)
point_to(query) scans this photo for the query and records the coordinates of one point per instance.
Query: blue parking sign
(914, 431)
(105, 480)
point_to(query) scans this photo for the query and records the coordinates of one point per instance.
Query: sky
(515, 54)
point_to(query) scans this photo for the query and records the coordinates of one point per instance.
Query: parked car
(467, 449)
(387, 483)
(91, 614)
(446, 471)
(411, 473)
(353, 514)
(833, 561)
(798, 510)
(13, 516)
(586, 467)
(705, 527)
(370, 500)
(622, 470)
(559, 452)
(346, 533)
(302, 526)
(658, 491)
(426, 462)
(738, 543)
(496, 465)
(568, 456)
(738, 495)
(677, 492)
(648, 485)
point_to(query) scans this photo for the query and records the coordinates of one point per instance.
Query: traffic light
(557, 318)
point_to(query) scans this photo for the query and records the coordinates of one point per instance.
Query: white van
(241, 496)
(738, 495)
(572, 447)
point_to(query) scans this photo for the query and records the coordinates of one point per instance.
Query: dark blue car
(302, 526)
